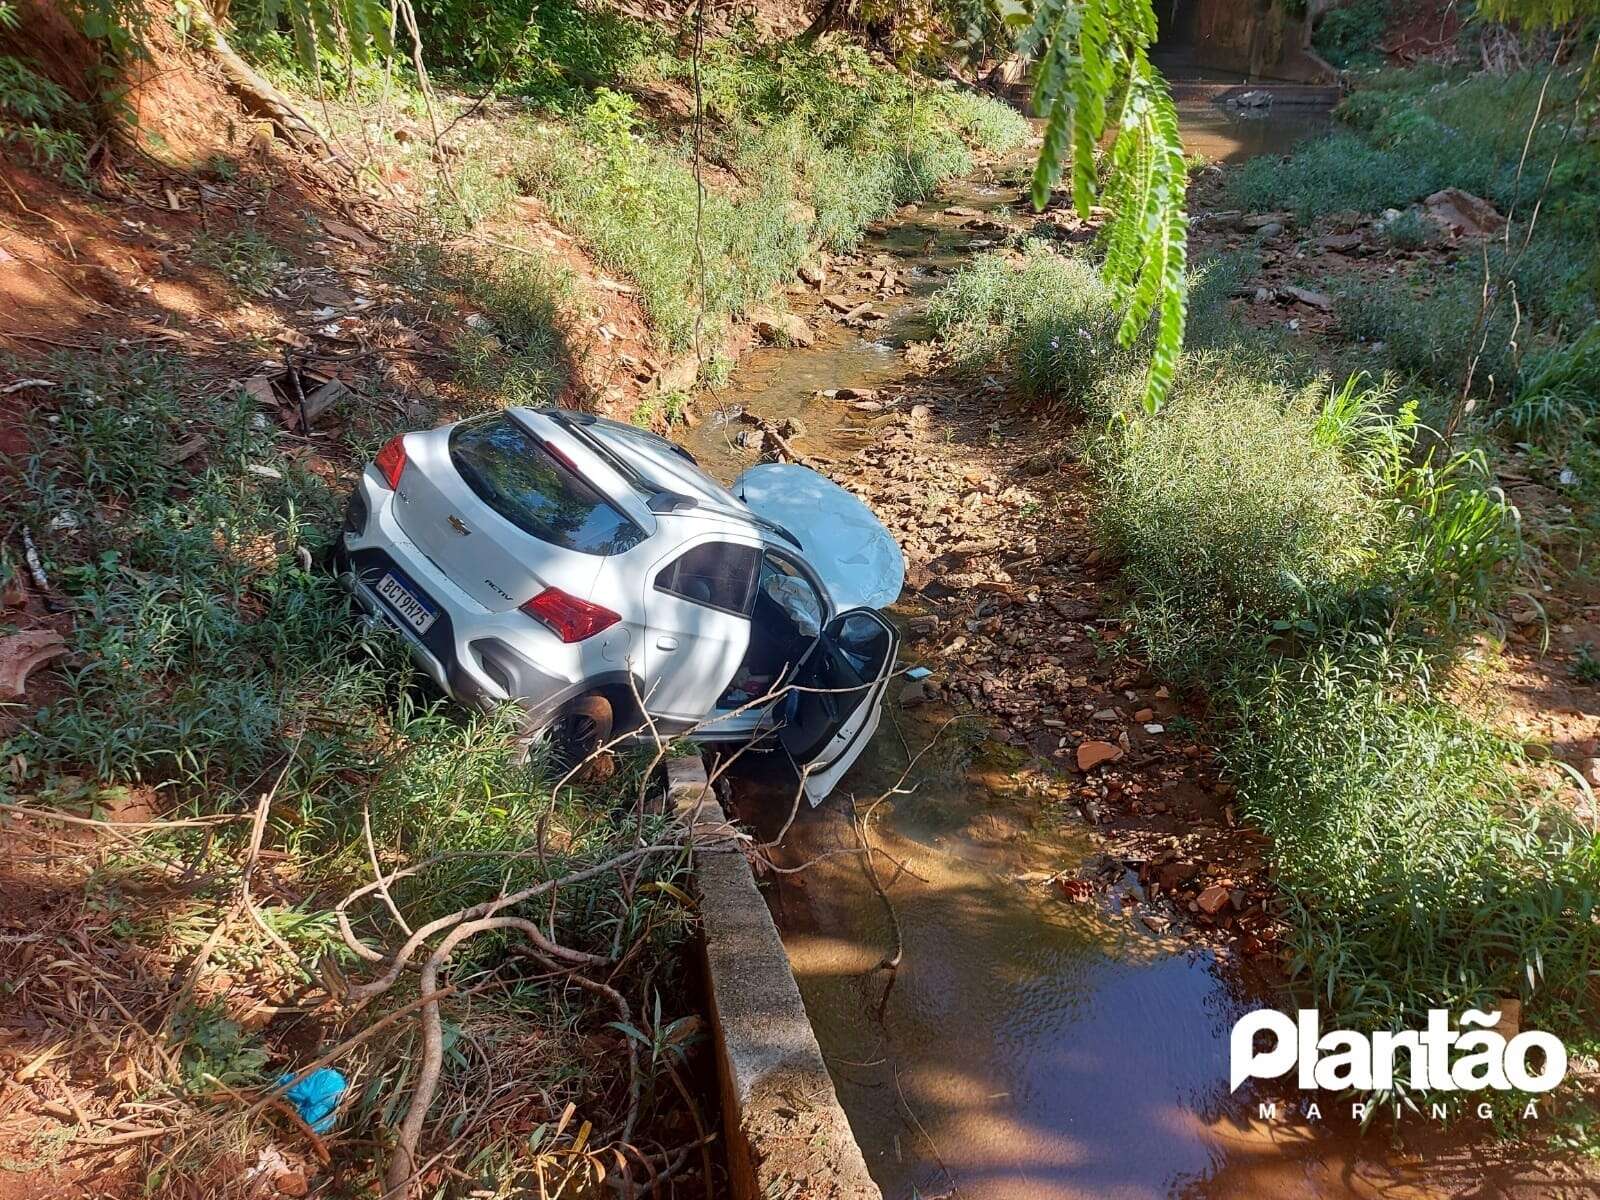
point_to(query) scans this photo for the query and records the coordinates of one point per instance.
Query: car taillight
(391, 460)
(569, 618)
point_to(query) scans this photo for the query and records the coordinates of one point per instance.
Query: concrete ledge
(787, 1136)
(1286, 95)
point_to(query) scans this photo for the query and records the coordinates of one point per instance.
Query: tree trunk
(257, 95)
(834, 14)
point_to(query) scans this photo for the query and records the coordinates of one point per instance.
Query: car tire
(581, 728)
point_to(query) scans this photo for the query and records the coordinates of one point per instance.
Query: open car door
(838, 700)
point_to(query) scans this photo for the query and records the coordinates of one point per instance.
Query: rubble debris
(21, 654)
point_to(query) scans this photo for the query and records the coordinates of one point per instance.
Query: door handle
(666, 643)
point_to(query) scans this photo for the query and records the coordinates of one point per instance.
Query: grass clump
(1415, 873)
(1411, 231)
(1234, 516)
(248, 259)
(1050, 318)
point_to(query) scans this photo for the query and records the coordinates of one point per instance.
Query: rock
(259, 389)
(923, 626)
(1105, 714)
(679, 375)
(784, 328)
(1342, 243)
(1212, 899)
(1463, 213)
(868, 406)
(839, 304)
(21, 653)
(1155, 728)
(291, 1183)
(1591, 770)
(913, 694)
(1144, 714)
(957, 210)
(1172, 875)
(1257, 220)
(812, 274)
(1262, 295)
(1270, 230)
(792, 427)
(751, 439)
(1317, 300)
(1510, 1022)
(1093, 754)
(322, 401)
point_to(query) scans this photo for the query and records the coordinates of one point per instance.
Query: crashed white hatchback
(592, 572)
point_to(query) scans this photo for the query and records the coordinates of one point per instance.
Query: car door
(838, 700)
(697, 625)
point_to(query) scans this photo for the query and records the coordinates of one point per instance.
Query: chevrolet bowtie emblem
(459, 525)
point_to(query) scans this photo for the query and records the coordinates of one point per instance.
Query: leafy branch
(1094, 76)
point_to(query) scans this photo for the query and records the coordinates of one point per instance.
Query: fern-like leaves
(1092, 77)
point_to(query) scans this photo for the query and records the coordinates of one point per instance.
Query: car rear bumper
(467, 650)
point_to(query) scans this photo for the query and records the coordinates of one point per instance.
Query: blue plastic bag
(316, 1097)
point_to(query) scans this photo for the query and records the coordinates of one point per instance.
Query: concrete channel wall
(787, 1136)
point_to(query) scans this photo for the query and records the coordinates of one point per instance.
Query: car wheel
(581, 728)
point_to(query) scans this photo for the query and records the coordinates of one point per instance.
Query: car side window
(717, 574)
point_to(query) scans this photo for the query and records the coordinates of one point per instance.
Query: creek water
(1028, 1048)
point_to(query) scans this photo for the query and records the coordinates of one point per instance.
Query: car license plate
(415, 613)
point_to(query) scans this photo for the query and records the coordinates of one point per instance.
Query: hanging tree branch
(1094, 75)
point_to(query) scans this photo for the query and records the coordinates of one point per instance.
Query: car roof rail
(670, 502)
(579, 424)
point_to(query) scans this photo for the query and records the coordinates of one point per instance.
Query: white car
(592, 572)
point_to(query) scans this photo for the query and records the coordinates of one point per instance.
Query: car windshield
(512, 472)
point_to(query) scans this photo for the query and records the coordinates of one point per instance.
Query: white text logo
(1438, 1058)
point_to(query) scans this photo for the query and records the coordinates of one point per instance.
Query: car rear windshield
(512, 472)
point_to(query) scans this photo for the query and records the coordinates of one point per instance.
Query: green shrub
(1411, 231)
(1434, 330)
(1233, 516)
(38, 118)
(1348, 36)
(1330, 174)
(1415, 875)
(1049, 318)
